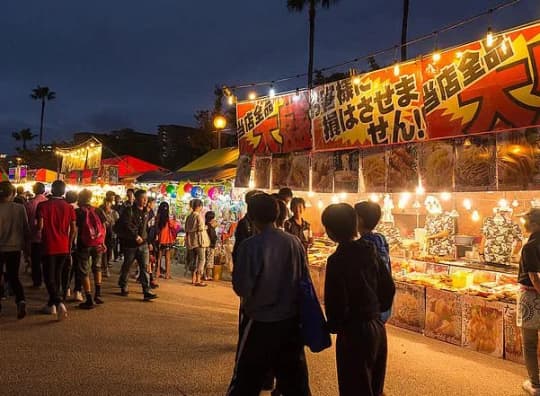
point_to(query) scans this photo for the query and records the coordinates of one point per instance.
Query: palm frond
(16, 135)
(297, 5)
(51, 95)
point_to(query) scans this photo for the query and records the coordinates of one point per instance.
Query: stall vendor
(440, 229)
(501, 240)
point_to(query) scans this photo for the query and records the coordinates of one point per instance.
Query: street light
(220, 123)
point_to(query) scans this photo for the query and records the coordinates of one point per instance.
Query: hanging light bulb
(503, 203)
(515, 203)
(272, 92)
(343, 196)
(396, 69)
(356, 80)
(420, 190)
(459, 54)
(446, 196)
(467, 204)
(374, 197)
(230, 100)
(504, 48)
(311, 194)
(436, 56)
(489, 37)
(252, 95)
(475, 216)
(320, 204)
(296, 96)
(335, 199)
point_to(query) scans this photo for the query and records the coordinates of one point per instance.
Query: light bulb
(311, 194)
(251, 184)
(335, 199)
(356, 80)
(504, 49)
(436, 56)
(420, 190)
(343, 196)
(272, 92)
(445, 196)
(475, 216)
(489, 37)
(515, 203)
(467, 203)
(252, 96)
(296, 96)
(459, 54)
(402, 203)
(374, 197)
(396, 69)
(503, 203)
(230, 100)
(320, 204)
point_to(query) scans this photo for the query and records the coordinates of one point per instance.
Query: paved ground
(184, 342)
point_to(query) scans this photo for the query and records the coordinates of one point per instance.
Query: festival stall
(449, 145)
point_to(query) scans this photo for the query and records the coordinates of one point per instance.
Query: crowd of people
(270, 259)
(69, 245)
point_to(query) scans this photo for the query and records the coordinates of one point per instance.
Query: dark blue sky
(140, 63)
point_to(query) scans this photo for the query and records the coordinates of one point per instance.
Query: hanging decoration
(83, 156)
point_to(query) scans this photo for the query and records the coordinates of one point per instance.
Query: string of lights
(228, 90)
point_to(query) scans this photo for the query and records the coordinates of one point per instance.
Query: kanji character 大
(471, 67)
(331, 126)
(384, 100)
(406, 89)
(378, 132)
(431, 96)
(448, 82)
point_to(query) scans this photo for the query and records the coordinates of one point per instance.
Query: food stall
(449, 145)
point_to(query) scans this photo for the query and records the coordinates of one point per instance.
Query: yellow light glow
(459, 54)
(230, 100)
(220, 122)
(343, 196)
(251, 184)
(396, 69)
(272, 92)
(374, 198)
(503, 203)
(402, 203)
(489, 38)
(320, 204)
(436, 56)
(311, 194)
(420, 190)
(515, 203)
(446, 196)
(356, 80)
(467, 203)
(252, 96)
(504, 49)
(335, 199)
(475, 216)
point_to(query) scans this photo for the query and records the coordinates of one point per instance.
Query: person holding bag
(358, 288)
(528, 313)
(166, 231)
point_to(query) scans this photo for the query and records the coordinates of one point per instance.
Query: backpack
(93, 231)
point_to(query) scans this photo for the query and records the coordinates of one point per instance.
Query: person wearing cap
(528, 312)
(14, 238)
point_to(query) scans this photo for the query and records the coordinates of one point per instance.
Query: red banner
(484, 86)
(274, 125)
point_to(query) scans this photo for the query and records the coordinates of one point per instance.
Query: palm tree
(299, 6)
(404, 28)
(43, 94)
(24, 135)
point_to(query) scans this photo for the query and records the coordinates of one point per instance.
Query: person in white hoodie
(14, 238)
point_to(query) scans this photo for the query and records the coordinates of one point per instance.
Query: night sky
(137, 64)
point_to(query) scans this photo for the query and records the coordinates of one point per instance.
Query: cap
(533, 215)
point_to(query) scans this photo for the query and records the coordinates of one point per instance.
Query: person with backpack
(368, 215)
(166, 231)
(90, 248)
(133, 229)
(358, 287)
(56, 223)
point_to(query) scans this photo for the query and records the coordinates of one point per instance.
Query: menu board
(322, 172)
(402, 168)
(483, 326)
(409, 309)
(475, 164)
(346, 171)
(374, 170)
(443, 316)
(436, 161)
(263, 165)
(243, 171)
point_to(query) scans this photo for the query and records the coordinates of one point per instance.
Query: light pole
(220, 123)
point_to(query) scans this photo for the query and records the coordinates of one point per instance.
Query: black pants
(52, 272)
(11, 262)
(361, 353)
(35, 257)
(273, 346)
(67, 271)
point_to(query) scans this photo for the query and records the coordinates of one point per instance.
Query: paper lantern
(173, 194)
(213, 193)
(180, 190)
(187, 188)
(196, 192)
(170, 189)
(163, 189)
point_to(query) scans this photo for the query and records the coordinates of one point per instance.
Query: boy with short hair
(368, 215)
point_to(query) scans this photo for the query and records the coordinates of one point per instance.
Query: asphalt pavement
(184, 342)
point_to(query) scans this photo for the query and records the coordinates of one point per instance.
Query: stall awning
(42, 175)
(129, 166)
(216, 165)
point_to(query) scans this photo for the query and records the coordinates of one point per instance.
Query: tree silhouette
(24, 135)
(43, 94)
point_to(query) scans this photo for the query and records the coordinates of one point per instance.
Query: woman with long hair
(166, 230)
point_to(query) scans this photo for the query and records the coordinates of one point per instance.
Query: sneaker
(154, 285)
(124, 292)
(98, 300)
(49, 310)
(149, 296)
(530, 388)
(87, 305)
(61, 312)
(78, 296)
(21, 309)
